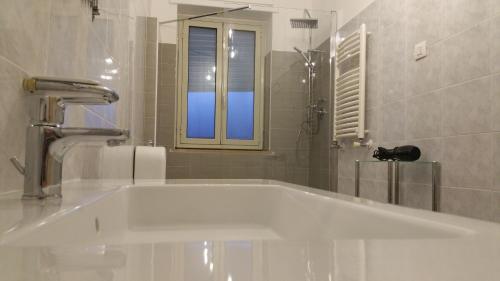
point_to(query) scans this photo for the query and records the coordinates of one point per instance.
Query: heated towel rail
(350, 79)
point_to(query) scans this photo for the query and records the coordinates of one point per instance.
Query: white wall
(164, 10)
(284, 38)
(346, 9)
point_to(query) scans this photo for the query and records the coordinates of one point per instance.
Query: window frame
(221, 91)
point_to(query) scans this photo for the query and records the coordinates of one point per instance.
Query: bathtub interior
(168, 213)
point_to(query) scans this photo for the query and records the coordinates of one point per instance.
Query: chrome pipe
(389, 180)
(396, 182)
(356, 178)
(436, 186)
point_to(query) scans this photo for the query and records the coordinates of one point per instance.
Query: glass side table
(393, 179)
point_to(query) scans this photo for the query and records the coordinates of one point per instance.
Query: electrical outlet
(420, 50)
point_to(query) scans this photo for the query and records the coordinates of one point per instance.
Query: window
(220, 92)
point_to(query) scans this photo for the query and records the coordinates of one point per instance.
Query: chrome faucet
(47, 141)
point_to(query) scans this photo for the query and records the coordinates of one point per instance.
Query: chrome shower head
(304, 23)
(303, 54)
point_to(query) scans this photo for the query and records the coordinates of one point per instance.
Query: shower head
(303, 54)
(304, 23)
(298, 50)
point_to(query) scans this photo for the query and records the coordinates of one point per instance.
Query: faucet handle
(15, 162)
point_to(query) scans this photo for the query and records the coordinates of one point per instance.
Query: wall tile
(496, 206)
(392, 85)
(494, 43)
(166, 94)
(347, 158)
(346, 186)
(393, 121)
(288, 99)
(495, 7)
(349, 27)
(148, 130)
(165, 136)
(462, 14)
(287, 119)
(13, 110)
(287, 139)
(463, 57)
(466, 108)
(24, 27)
(68, 40)
(416, 195)
(496, 161)
(424, 20)
(166, 115)
(423, 76)
(373, 124)
(392, 12)
(423, 116)
(467, 161)
(178, 172)
(468, 202)
(373, 189)
(495, 102)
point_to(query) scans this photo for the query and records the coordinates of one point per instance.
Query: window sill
(224, 151)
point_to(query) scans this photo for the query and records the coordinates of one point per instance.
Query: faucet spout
(69, 137)
(45, 153)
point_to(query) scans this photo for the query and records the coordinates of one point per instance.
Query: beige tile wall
(150, 74)
(57, 37)
(447, 103)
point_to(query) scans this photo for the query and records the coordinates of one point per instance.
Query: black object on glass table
(400, 153)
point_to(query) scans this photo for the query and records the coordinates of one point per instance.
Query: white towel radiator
(350, 80)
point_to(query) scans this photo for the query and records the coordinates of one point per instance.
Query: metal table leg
(396, 182)
(436, 186)
(356, 178)
(389, 180)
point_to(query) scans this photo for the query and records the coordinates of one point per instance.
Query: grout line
(100, 117)
(406, 97)
(472, 189)
(47, 47)
(14, 65)
(466, 29)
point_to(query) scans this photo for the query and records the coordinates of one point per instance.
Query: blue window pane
(241, 81)
(201, 115)
(202, 57)
(240, 115)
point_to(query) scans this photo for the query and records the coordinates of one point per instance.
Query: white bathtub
(249, 229)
